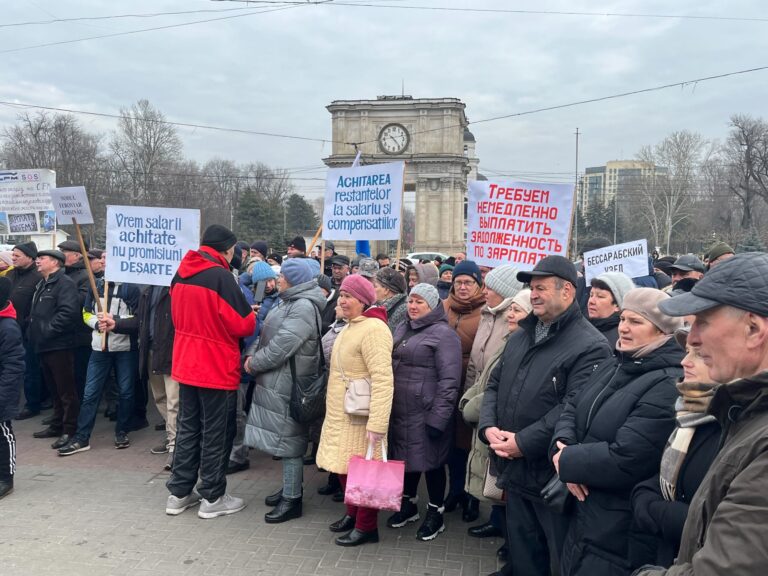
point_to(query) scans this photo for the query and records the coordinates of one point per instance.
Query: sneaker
(222, 506)
(433, 523)
(121, 440)
(160, 448)
(74, 447)
(175, 506)
(409, 512)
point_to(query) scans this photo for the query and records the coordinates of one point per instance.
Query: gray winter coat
(426, 363)
(290, 330)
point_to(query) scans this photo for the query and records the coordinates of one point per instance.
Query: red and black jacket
(210, 316)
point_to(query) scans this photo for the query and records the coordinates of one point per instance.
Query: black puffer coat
(527, 390)
(79, 275)
(660, 522)
(426, 363)
(24, 281)
(608, 327)
(56, 312)
(616, 430)
(11, 363)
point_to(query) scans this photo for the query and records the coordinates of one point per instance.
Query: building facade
(602, 184)
(431, 136)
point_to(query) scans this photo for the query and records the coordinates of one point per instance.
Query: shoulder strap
(321, 361)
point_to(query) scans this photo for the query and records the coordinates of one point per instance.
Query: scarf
(691, 408)
(465, 306)
(646, 350)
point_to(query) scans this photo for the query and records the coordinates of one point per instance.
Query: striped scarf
(691, 408)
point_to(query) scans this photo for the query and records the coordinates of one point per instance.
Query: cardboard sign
(146, 244)
(364, 202)
(631, 258)
(517, 223)
(71, 204)
(25, 201)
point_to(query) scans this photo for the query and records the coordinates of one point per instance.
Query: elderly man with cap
(330, 252)
(718, 254)
(725, 531)
(686, 266)
(339, 269)
(24, 278)
(98, 261)
(55, 309)
(543, 365)
(368, 268)
(211, 317)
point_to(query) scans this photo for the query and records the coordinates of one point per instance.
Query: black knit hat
(276, 257)
(219, 237)
(28, 248)
(299, 244)
(5, 291)
(261, 247)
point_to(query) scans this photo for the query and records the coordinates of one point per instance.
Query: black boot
(332, 487)
(344, 524)
(455, 499)
(286, 509)
(433, 523)
(6, 487)
(408, 512)
(357, 537)
(471, 509)
(274, 499)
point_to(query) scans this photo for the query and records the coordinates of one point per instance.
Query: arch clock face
(393, 139)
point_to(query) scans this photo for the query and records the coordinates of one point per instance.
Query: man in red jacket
(210, 316)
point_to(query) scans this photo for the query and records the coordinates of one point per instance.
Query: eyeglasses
(464, 283)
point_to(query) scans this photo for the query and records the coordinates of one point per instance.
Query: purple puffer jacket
(426, 362)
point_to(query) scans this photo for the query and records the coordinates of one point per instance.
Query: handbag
(556, 495)
(307, 402)
(490, 490)
(357, 398)
(376, 484)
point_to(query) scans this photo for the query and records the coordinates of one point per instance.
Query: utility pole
(576, 203)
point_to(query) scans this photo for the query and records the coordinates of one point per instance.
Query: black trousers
(7, 452)
(535, 536)
(59, 373)
(436, 481)
(205, 431)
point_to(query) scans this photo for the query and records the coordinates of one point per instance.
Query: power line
(525, 12)
(168, 122)
(156, 28)
(682, 84)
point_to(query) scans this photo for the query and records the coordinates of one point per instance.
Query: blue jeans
(99, 366)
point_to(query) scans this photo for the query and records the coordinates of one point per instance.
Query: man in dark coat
(725, 529)
(24, 278)
(11, 380)
(56, 309)
(543, 365)
(74, 266)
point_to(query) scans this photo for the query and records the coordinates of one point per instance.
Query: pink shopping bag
(375, 483)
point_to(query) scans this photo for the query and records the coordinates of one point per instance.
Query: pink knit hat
(360, 287)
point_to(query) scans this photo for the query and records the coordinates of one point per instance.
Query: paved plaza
(102, 512)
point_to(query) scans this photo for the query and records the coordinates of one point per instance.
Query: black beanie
(299, 243)
(261, 247)
(29, 248)
(5, 291)
(219, 237)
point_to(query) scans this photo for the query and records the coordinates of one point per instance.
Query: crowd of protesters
(614, 427)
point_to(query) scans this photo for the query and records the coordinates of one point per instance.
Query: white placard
(364, 202)
(631, 258)
(517, 223)
(25, 201)
(71, 204)
(146, 244)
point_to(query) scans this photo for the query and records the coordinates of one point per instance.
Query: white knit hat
(617, 283)
(523, 299)
(503, 280)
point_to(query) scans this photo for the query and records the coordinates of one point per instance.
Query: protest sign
(364, 202)
(146, 244)
(517, 223)
(629, 257)
(71, 204)
(24, 196)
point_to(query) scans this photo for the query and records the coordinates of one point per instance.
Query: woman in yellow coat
(362, 350)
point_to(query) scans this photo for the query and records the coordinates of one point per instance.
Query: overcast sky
(276, 72)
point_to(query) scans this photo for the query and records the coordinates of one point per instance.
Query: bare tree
(746, 157)
(143, 146)
(668, 192)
